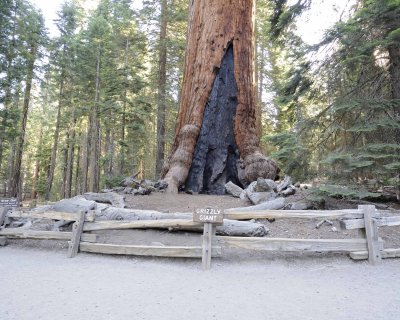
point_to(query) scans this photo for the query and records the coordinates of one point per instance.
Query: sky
(323, 14)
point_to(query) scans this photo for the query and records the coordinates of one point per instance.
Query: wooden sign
(208, 215)
(12, 203)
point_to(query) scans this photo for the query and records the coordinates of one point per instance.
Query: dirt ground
(39, 282)
(44, 284)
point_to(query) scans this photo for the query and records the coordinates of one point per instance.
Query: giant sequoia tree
(216, 138)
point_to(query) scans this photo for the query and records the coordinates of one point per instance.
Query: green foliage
(341, 192)
(113, 181)
(355, 133)
(290, 154)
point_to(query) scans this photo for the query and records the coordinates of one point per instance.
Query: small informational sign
(208, 215)
(12, 203)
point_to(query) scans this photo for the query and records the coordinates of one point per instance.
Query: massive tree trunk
(218, 94)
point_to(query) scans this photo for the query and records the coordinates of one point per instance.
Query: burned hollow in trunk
(216, 154)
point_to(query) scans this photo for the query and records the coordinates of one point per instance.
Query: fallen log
(233, 189)
(113, 213)
(73, 205)
(287, 181)
(229, 227)
(54, 215)
(112, 198)
(275, 204)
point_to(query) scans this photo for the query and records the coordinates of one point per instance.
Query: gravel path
(43, 284)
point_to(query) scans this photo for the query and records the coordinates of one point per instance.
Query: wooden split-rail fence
(366, 219)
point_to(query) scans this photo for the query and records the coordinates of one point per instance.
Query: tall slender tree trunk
(13, 146)
(125, 96)
(94, 134)
(16, 179)
(109, 148)
(162, 79)
(53, 157)
(7, 88)
(259, 85)
(77, 183)
(37, 167)
(111, 151)
(85, 162)
(70, 158)
(220, 48)
(64, 167)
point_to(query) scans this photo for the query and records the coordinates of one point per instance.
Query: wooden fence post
(207, 245)
(77, 228)
(371, 231)
(3, 211)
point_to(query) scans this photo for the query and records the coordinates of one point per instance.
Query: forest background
(97, 100)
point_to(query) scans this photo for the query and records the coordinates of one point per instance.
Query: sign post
(210, 217)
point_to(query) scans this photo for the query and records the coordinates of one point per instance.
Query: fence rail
(366, 218)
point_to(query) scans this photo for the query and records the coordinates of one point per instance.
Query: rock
(260, 197)
(265, 185)
(233, 189)
(74, 204)
(297, 185)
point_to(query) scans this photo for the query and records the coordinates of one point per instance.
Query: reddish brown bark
(213, 26)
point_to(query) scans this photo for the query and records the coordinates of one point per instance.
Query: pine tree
(33, 38)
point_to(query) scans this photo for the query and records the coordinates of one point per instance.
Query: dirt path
(44, 284)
